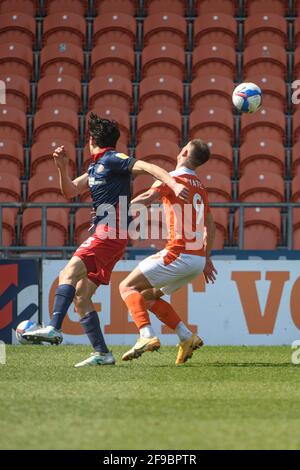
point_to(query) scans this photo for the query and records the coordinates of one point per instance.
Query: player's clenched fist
(60, 157)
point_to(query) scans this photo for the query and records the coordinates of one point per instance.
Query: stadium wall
(254, 302)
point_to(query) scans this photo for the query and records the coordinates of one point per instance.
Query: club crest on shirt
(100, 168)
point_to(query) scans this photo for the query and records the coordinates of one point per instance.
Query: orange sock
(165, 313)
(137, 307)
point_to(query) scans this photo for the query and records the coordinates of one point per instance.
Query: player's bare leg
(89, 320)
(72, 273)
(130, 290)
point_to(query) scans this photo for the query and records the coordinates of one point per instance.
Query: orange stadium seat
(159, 123)
(220, 217)
(163, 59)
(215, 28)
(296, 188)
(296, 158)
(274, 90)
(10, 188)
(109, 91)
(216, 6)
(57, 227)
(262, 228)
(62, 59)
(60, 90)
(217, 185)
(264, 124)
(296, 124)
(296, 229)
(161, 152)
(114, 28)
(121, 6)
(212, 90)
(162, 28)
(74, 6)
(256, 186)
(55, 124)
(64, 28)
(82, 225)
(12, 124)
(11, 157)
(23, 6)
(16, 59)
(266, 28)
(211, 122)
(220, 157)
(266, 6)
(44, 187)
(42, 156)
(262, 155)
(171, 6)
(113, 59)
(122, 118)
(161, 91)
(17, 28)
(297, 62)
(265, 59)
(8, 227)
(214, 59)
(17, 92)
(121, 147)
(141, 184)
(297, 29)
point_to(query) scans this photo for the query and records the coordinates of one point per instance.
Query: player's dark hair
(199, 153)
(105, 133)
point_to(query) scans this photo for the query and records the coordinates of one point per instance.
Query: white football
(26, 325)
(247, 97)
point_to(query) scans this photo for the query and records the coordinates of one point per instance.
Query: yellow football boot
(186, 349)
(141, 346)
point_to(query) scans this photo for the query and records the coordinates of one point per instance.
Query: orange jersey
(185, 220)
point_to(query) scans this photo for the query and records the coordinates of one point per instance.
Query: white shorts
(170, 277)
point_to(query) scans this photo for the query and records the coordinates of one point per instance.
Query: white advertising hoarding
(251, 303)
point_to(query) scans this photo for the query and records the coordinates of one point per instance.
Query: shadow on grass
(227, 364)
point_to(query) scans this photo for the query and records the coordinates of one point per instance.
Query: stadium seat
(62, 59)
(82, 224)
(217, 185)
(12, 124)
(297, 28)
(296, 229)
(220, 157)
(215, 28)
(211, 122)
(161, 91)
(274, 91)
(296, 158)
(297, 62)
(42, 157)
(220, 217)
(159, 123)
(17, 28)
(113, 28)
(8, 227)
(106, 91)
(161, 152)
(57, 227)
(10, 188)
(113, 59)
(264, 124)
(164, 59)
(44, 187)
(176, 7)
(59, 6)
(265, 28)
(214, 59)
(256, 186)
(122, 6)
(227, 7)
(121, 147)
(265, 155)
(262, 228)
(60, 90)
(266, 6)
(296, 124)
(296, 188)
(55, 124)
(164, 28)
(66, 28)
(141, 184)
(16, 59)
(26, 7)
(212, 90)
(265, 59)
(17, 89)
(122, 118)
(11, 157)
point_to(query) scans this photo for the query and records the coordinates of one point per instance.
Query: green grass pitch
(224, 398)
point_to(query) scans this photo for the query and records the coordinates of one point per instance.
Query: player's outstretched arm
(147, 198)
(69, 188)
(140, 167)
